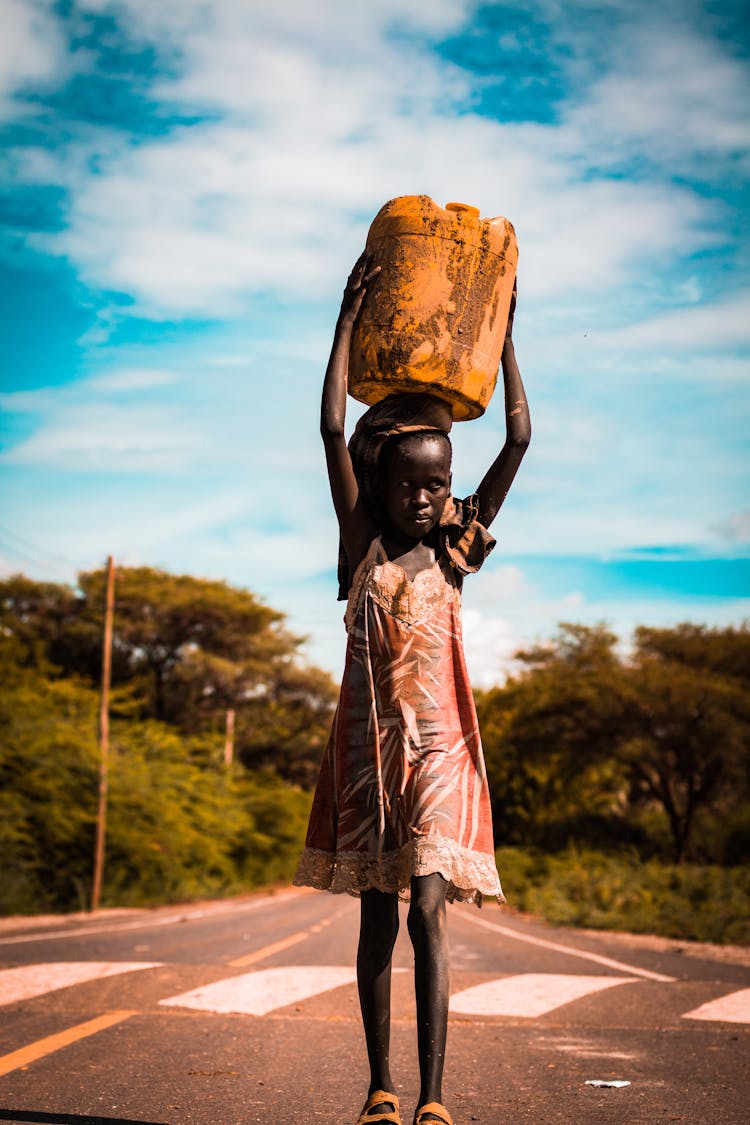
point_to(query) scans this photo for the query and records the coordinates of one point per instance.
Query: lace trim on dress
(411, 600)
(470, 875)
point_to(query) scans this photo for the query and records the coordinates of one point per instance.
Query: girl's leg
(377, 936)
(428, 930)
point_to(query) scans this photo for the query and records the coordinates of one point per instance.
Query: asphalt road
(246, 1011)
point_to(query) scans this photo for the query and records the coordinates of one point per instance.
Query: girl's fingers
(358, 272)
(362, 273)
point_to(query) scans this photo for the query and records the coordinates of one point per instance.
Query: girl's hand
(356, 287)
(511, 314)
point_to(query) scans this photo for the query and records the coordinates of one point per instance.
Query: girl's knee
(427, 918)
(379, 923)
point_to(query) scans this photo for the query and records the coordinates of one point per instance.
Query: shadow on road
(26, 1115)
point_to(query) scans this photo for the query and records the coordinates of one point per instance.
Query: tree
(548, 739)
(185, 651)
(583, 733)
(180, 825)
(210, 642)
(48, 784)
(41, 617)
(724, 651)
(286, 727)
(686, 739)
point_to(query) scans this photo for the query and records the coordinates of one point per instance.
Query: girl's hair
(393, 441)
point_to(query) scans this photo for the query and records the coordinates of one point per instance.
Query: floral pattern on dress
(402, 789)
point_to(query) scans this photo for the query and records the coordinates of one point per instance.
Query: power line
(23, 550)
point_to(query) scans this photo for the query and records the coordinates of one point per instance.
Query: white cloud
(322, 115)
(127, 381)
(33, 51)
(490, 644)
(212, 416)
(96, 438)
(195, 223)
(104, 424)
(734, 528)
(496, 626)
(671, 94)
(503, 613)
(500, 584)
(715, 326)
(308, 118)
(189, 22)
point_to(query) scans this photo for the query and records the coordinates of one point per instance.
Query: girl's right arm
(357, 529)
(499, 477)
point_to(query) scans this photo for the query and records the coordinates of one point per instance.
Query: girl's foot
(381, 1108)
(433, 1113)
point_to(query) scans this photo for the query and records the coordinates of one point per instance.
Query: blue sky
(186, 185)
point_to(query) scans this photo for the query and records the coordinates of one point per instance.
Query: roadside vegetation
(182, 821)
(620, 784)
(621, 891)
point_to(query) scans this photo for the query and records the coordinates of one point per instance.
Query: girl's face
(416, 481)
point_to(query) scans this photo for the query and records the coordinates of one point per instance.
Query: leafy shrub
(179, 824)
(622, 892)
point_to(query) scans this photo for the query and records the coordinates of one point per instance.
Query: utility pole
(229, 740)
(101, 818)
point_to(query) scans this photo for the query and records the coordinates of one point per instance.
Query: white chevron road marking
(524, 995)
(734, 1008)
(256, 994)
(568, 950)
(27, 981)
(261, 992)
(529, 994)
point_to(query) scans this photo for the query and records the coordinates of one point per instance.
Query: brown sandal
(437, 1110)
(387, 1117)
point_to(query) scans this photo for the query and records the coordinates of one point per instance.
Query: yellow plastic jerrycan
(434, 318)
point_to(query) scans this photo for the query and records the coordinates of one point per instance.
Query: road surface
(245, 1011)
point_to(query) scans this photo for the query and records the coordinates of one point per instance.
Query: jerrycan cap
(463, 208)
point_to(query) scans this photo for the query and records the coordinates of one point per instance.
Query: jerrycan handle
(464, 208)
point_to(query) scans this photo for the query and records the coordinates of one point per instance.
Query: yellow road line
(269, 950)
(51, 1043)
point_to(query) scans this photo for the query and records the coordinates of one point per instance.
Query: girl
(402, 806)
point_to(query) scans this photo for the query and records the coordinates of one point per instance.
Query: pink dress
(402, 789)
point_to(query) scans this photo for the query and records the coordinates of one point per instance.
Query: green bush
(179, 824)
(622, 892)
(48, 782)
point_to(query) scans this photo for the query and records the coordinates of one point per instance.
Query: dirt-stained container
(434, 318)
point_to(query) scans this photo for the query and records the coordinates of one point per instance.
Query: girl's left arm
(499, 477)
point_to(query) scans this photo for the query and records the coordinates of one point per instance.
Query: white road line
(149, 923)
(569, 950)
(27, 981)
(734, 1008)
(256, 994)
(529, 994)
